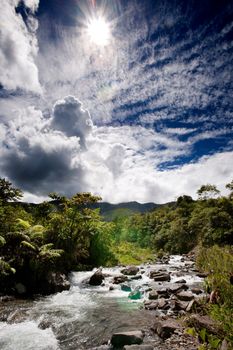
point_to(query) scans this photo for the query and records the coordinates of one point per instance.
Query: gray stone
(162, 276)
(153, 295)
(181, 281)
(151, 305)
(130, 270)
(165, 328)
(162, 303)
(127, 338)
(185, 296)
(196, 290)
(120, 279)
(174, 288)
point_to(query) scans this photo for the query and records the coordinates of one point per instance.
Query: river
(86, 316)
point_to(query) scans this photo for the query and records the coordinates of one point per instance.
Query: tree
(207, 191)
(8, 192)
(229, 186)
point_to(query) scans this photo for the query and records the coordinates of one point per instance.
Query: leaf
(202, 335)
(28, 245)
(191, 331)
(213, 341)
(2, 241)
(23, 224)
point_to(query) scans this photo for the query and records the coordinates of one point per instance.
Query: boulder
(177, 305)
(185, 296)
(202, 274)
(165, 328)
(153, 295)
(16, 317)
(120, 279)
(97, 278)
(127, 338)
(6, 298)
(130, 270)
(151, 305)
(163, 292)
(56, 283)
(175, 288)
(138, 347)
(162, 276)
(136, 277)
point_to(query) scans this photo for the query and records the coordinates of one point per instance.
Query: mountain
(111, 211)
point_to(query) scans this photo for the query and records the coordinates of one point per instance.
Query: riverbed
(86, 316)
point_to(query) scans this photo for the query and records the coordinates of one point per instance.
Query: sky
(128, 99)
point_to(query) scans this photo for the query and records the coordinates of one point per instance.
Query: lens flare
(99, 31)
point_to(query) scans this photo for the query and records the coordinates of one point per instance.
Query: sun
(98, 31)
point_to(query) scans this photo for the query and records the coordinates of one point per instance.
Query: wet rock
(138, 347)
(136, 277)
(163, 292)
(56, 283)
(102, 347)
(181, 281)
(151, 305)
(44, 324)
(120, 279)
(153, 295)
(111, 288)
(192, 305)
(196, 290)
(185, 296)
(127, 338)
(175, 288)
(165, 328)
(162, 276)
(97, 278)
(16, 317)
(130, 270)
(6, 298)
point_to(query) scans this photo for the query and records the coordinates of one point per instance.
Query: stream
(86, 316)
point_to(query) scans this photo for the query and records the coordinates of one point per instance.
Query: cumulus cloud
(18, 47)
(70, 118)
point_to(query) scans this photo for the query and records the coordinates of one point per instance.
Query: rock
(185, 296)
(111, 288)
(151, 305)
(44, 324)
(162, 303)
(191, 305)
(177, 305)
(163, 292)
(136, 277)
(162, 276)
(102, 347)
(199, 322)
(138, 347)
(127, 338)
(181, 281)
(16, 317)
(125, 288)
(153, 295)
(135, 295)
(6, 298)
(175, 288)
(97, 278)
(196, 290)
(20, 288)
(202, 274)
(130, 270)
(56, 283)
(165, 328)
(120, 279)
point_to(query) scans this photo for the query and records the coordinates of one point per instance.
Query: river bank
(145, 300)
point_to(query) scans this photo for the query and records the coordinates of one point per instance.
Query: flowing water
(85, 316)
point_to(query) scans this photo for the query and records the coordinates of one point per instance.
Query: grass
(129, 254)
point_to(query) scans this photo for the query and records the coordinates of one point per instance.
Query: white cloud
(18, 48)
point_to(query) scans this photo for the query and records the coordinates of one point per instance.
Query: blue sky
(146, 117)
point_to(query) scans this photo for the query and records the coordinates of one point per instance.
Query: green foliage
(7, 192)
(207, 191)
(218, 263)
